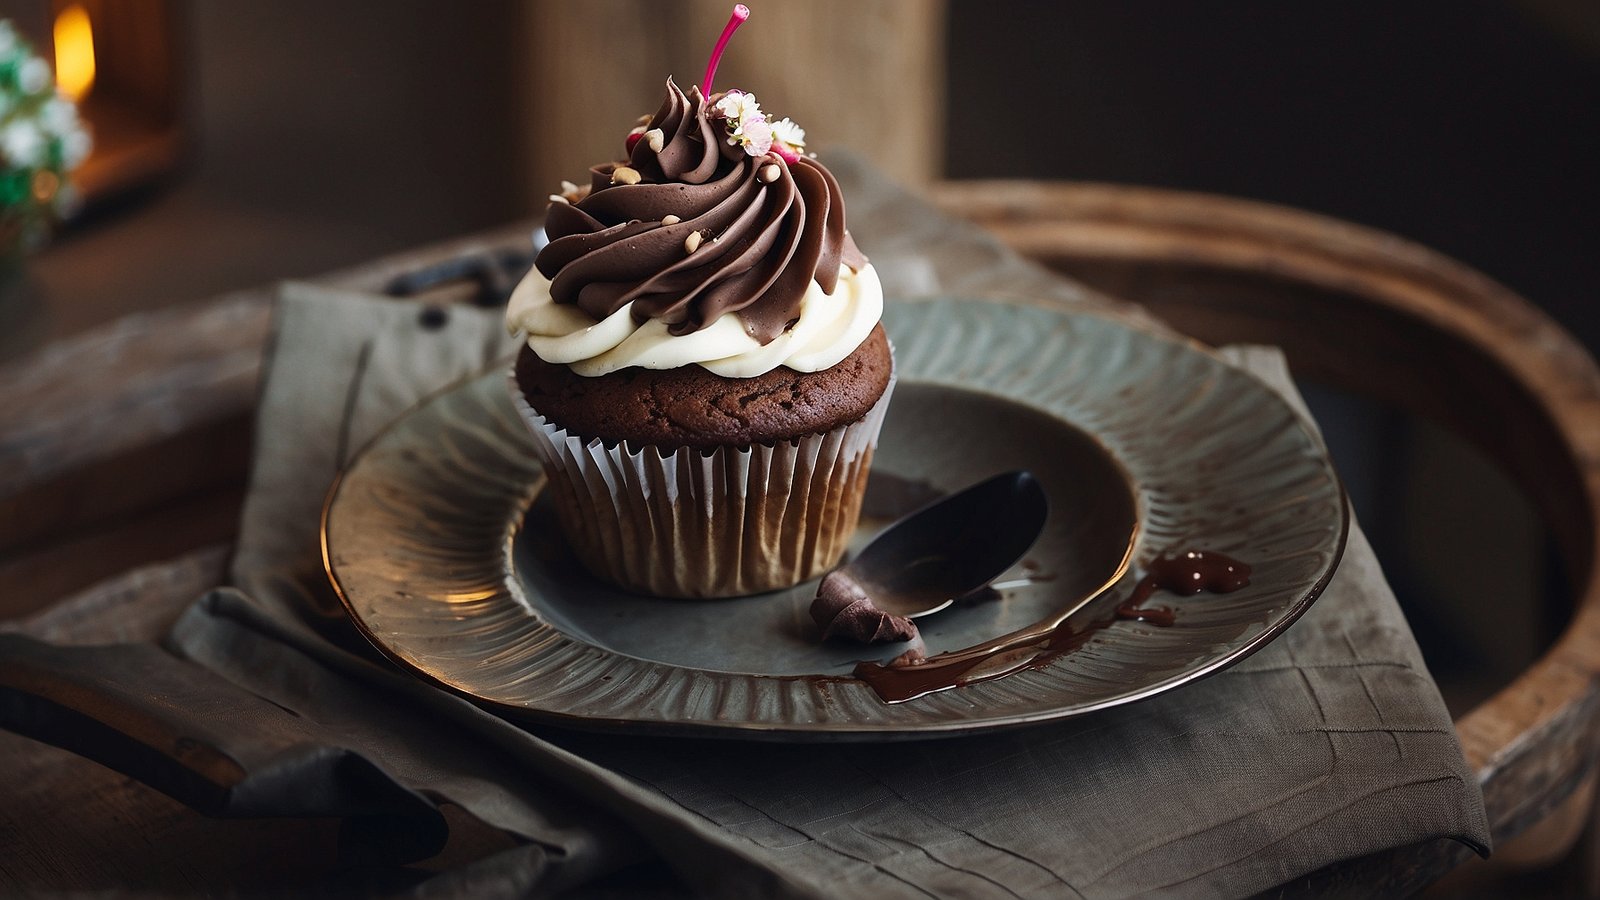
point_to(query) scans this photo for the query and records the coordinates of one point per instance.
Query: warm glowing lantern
(74, 52)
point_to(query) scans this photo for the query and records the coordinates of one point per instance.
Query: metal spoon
(950, 548)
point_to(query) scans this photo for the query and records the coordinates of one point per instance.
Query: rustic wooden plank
(127, 416)
(121, 835)
(139, 379)
(139, 604)
(35, 577)
(130, 443)
(152, 375)
(72, 825)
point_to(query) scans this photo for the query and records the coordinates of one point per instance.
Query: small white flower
(34, 75)
(22, 143)
(58, 116)
(75, 146)
(747, 124)
(756, 135)
(785, 131)
(739, 105)
(8, 39)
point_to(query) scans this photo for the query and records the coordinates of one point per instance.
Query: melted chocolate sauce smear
(1184, 573)
(1190, 572)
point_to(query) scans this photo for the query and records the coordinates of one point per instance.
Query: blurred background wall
(319, 134)
(315, 135)
(1472, 126)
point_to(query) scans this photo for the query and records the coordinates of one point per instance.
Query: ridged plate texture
(447, 558)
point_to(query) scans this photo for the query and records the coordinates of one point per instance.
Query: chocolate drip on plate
(1186, 573)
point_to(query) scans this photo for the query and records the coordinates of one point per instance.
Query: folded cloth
(1330, 743)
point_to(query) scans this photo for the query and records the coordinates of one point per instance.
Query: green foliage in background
(41, 141)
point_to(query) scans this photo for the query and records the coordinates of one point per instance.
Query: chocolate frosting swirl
(762, 245)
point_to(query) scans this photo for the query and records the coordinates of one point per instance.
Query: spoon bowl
(952, 547)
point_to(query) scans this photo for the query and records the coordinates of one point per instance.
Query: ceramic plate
(443, 548)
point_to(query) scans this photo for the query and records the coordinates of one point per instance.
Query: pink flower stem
(740, 13)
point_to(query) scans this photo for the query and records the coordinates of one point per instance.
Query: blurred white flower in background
(23, 144)
(786, 132)
(33, 75)
(42, 140)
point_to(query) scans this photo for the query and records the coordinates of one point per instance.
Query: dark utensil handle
(207, 743)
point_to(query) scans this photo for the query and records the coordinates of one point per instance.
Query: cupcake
(704, 373)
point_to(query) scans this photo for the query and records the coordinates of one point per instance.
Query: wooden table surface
(123, 454)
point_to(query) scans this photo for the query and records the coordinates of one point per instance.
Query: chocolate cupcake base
(708, 522)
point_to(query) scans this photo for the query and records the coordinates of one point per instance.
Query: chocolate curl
(843, 609)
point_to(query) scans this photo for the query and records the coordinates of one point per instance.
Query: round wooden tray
(1369, 312)
(89, 417)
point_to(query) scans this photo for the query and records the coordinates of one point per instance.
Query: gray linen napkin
(1330, 743)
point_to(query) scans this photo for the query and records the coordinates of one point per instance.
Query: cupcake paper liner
(718, 523)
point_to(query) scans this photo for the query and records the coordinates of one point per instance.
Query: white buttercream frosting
(830, 328)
